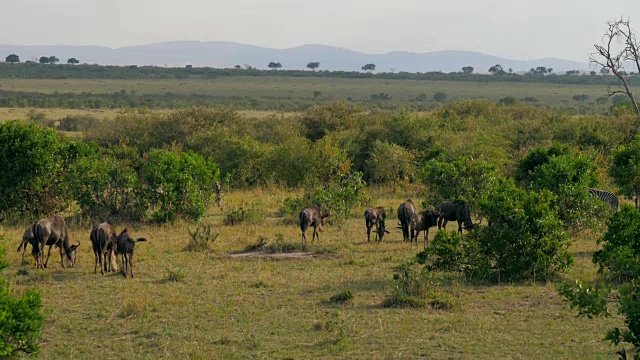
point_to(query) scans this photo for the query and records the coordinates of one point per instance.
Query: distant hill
(227, 54)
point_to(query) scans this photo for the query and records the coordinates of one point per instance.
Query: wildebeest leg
(131, 264)
(368, 224)
(444, 224)
(124, 267)
(102, 262)
(48, 254)
(303, 237)
(315, 231)
(61, 255)
(460, 226)
(426, 238)
(95, 268)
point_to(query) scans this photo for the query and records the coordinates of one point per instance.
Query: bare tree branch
(613, 57)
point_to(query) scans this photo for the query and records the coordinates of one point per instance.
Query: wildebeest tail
(304, 220)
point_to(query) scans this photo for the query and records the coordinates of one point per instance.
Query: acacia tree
(72, 61)
(467, 70)
(369, 67)
(619, 47)
(13, 58)
(274, 65)
(313, 65)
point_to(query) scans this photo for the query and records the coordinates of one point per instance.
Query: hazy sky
(509, 28)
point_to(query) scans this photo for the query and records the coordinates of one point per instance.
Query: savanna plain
(236, 301)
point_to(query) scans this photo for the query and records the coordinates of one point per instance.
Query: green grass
(303, 88)
(271, 307)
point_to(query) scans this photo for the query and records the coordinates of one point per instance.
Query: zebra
(605, 196)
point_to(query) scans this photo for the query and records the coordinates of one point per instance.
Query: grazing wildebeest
(103, 239)
(312, 216)
(125, 245)
(53, 231)
(27, 238)
(457, 210)
(407, 218)
(373, 216)
(381, 230)
(424, 221)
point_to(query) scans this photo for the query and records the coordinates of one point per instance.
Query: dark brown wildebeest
(27, 238)
(125, 245)
(457, 210)
(53, 231)
(373, 216)
(312, 216)
(407, 219)
(103, 238)
(424, 221)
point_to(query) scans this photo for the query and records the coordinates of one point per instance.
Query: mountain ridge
(228, 54)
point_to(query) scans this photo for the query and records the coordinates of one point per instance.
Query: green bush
(463, 178)
(625, 169)
(322, 119)
(525, 238)
(201, 238)
(619, 257)
(446, 252)
(240, 215)
(389, 163)
(338, 197)
(106, 184)
(20, 319)
(178, 184)
(568, 176)
(417, 287)
(33, 162)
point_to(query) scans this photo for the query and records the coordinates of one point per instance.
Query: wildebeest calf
(312, 216)
(424, 221)
(407, 218)
(103, 240)
(457, 210)
(373, 216)
(125, 245)
(28, 238)
(53, 231)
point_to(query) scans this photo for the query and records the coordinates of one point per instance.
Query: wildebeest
(457, 210)
(125, 245)
(103, 240)
(53, 231)
(407, 218)
(28, 238)
(373, 216)
(312, 216)
(424, 221)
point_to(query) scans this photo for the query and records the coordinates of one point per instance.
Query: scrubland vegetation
(236, 281)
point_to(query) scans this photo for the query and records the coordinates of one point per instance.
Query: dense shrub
(242, 215)
(524, 240)
(106, 184)
(625, 169)
(390, 163)
(338, 197)
(463, 178)
(568, 176)
(178, 184)
(417, 287)
(20, 319)
(618, 260)
(322, 119)
(33, 162)
(619, 257)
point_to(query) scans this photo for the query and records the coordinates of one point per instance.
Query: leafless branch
(613, 57)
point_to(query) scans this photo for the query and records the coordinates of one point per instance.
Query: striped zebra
(605, 196)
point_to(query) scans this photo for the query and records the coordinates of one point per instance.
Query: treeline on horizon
(87, 71)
